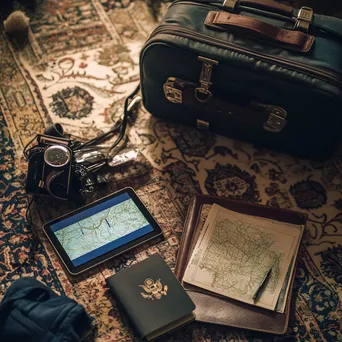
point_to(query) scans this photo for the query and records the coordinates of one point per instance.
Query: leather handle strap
(268, 5)
(293, 40)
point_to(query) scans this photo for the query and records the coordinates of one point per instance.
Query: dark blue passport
(151, 298)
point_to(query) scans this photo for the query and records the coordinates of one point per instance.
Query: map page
(102, 232)
(234, 252)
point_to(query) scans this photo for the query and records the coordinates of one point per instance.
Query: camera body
(52, 169)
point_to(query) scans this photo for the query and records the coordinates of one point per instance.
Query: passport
(150, 298)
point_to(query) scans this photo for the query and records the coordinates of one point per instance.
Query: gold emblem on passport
(154, 290)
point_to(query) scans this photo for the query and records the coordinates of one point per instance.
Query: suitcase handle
(268, 5)
(292, 40)
(304, 16)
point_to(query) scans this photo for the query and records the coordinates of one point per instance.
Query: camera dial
(57, 156)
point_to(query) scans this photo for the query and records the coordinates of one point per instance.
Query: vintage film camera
(66, 168)
(52, 169)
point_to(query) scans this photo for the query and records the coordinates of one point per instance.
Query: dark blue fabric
(31, 312)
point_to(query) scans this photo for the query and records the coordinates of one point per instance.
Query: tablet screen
(101, 228)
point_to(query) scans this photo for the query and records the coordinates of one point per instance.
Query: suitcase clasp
(276, 120)
(202, 93)
(229, 5)
(201, 124)
(172, 92)
(304, 19)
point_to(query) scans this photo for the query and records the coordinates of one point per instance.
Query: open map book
(235, 251)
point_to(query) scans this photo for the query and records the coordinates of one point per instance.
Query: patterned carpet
(81, 62)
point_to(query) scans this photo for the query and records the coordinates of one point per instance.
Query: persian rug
(81, 61)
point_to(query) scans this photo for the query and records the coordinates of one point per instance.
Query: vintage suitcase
(254, 70)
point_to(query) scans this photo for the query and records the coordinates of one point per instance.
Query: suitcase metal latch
(304, 19)
(202, 93)
(171, 92)
(201, 124)
(229, 5)
(276, 120)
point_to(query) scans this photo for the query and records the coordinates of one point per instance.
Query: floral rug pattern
(81, 61)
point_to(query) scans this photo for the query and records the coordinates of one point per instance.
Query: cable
(124, 120)
(101, 136)
(121, 123)
(25, 152)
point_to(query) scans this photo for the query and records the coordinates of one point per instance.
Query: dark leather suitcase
(254, 70)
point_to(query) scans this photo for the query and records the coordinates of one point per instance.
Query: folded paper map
(235, 251)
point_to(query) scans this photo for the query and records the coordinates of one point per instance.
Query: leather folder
(215, 309)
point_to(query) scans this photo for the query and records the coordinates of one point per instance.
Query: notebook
(226, 311)
(151, 299)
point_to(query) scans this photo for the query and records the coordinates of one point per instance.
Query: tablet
(101, 230)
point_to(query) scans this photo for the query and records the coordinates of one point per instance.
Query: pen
(262, 286)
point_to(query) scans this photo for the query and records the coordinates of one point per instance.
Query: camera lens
(57, 156)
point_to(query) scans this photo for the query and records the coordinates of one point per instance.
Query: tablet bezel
(75, 270)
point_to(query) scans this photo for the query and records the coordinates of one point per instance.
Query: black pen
(262, 286)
